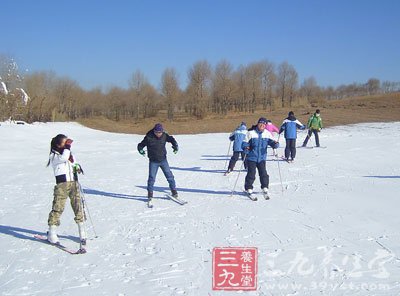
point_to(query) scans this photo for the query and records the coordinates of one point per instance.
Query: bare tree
(150, 100)
(254, 73)
(242, 91)
(287, 83)
(137, 83)
(40, 87)
(223, 87)
(198, 89)
(310, 89)
(373, 86)
(65, 92)
(170, 90)
(268, 83)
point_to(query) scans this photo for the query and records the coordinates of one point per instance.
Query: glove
(319, 129)
(246, 150)
(142, 152)
(68, 144)
(175, 150)
(78, 168)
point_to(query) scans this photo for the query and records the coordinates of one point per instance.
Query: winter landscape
(330, 227)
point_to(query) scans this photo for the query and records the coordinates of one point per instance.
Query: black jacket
(156, 146)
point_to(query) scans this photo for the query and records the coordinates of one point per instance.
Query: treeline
(42, 96)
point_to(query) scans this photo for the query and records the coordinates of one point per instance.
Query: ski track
(342, 199)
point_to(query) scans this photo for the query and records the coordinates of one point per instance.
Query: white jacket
(61, 164)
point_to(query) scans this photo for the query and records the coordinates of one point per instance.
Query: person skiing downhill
(64, 167)
(255, 146)
(155, 141)
(314, 126)
(290, 126)
(237, 137)
(271, 127)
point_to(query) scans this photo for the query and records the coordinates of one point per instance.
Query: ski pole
(234, 187)
(280, 175)
(275, 150)
(86, 208)
(227, 154)
(78, 169)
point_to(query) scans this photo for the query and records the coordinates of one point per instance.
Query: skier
(255, 145)
(314, 126)
(290, 126)
(237, 137)
(269, 127)
(64, 167)
(272, 129)
(155, 141)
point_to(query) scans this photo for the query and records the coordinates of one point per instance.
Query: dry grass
(381, 108)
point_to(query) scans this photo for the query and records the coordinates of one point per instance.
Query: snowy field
(332, 230)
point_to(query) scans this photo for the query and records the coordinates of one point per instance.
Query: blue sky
(99, 43)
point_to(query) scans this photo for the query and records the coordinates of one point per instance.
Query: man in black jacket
(155, 141)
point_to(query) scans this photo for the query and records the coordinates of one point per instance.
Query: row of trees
(218, 90)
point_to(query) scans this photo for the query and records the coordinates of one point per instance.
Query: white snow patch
(3, 88)
(24, 96)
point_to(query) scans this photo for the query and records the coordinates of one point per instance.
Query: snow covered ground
(334, 229)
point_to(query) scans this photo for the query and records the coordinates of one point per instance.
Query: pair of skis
(60, 246)
(311, 147)
(174, 199)
(253, 197)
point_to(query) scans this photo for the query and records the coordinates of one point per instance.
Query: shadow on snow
(197, 169)
(189, 190)
(27, 234)
(383, 177)
(119, 195)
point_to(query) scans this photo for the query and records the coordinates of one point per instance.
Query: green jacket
(315, 122)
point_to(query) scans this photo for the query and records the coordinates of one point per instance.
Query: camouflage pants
(61, 192)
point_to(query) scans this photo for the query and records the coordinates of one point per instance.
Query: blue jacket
(238, 136)
(257, 143)
(290, 126)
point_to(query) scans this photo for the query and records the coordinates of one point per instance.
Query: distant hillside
(379, 108)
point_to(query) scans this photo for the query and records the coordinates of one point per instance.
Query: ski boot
(150, 198)
(82, 233)
(250, 194)
(52, 236)
(174, 193)
(265, 193)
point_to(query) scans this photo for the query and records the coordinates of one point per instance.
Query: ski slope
(331, 229)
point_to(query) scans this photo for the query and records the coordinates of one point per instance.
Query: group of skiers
(250, 144)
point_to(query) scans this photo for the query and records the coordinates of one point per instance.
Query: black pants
(235, 158)
(310, 132)
(290, 150)
(251, 174)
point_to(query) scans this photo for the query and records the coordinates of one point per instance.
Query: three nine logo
(235, 268)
